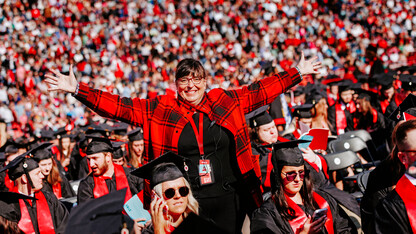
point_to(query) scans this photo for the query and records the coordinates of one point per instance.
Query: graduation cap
(10, 147)
(259, 117)
(96, 130)
(135, 134)
(287, 154)
(299, 91)
(117, 150)
(385, 80)
(47, 134)
(99, 145)
(408, 103)
(362, 78)
(100, 215)
(167, 167)
(345, 85)
(120, 129)
(9, 205)
(63, 133)
(408, 82)
(314, 97)
(23, 163)
(303, 111)
(2, 157)
(42, 152)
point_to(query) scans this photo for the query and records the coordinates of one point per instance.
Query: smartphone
(319, 213)
(154, 196)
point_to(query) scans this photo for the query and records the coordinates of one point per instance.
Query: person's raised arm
(61, 82)
(108, 105)
(266, 90)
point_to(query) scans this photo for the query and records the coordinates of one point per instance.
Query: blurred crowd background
(132, 47)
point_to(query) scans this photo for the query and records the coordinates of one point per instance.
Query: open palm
(60, 82)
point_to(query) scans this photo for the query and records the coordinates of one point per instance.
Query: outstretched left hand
(309, 66)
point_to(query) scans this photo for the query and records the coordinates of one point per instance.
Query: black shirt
(217, 143)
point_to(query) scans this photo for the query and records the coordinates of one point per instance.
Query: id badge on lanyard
(205, 169)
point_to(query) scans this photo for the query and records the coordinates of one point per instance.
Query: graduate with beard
(105, 176)
(45, 214)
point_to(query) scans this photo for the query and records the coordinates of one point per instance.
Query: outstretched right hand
(61, 82)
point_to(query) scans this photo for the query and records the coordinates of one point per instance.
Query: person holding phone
(206, 127)
(172, 198)
(291, 207)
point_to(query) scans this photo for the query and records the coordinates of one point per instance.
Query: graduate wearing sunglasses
(293, 201)
(172, 199)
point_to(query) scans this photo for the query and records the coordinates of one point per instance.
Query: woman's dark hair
(9, 227)
(188, 67)
(279, 195)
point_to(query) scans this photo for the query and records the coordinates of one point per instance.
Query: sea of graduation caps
(403, 80)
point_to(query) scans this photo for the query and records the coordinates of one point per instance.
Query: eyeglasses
(170, 192)
(291, 176)
(184, 80)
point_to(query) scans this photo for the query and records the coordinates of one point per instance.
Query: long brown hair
(9, 227)
(54, 177)
(279, 197)
(134, 160)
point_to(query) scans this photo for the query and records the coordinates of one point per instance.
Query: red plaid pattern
(164, 117)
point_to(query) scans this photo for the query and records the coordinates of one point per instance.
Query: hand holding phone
(319, 213)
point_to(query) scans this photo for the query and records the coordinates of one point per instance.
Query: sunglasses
(170, 192)
(291, 176)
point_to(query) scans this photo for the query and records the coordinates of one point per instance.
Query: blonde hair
(192, 205)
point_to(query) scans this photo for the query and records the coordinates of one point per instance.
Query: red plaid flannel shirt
(164, 117)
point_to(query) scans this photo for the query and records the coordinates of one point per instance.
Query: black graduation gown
(58, 212)
(66, 189)
(263, 154)
(380, 183)
(267, 219)
(86, 186)
(332, 120)
(321, 183)
(391, 216)
(78, 166)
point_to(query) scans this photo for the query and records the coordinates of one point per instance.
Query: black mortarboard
(9, 205)
(362, 78)
(100, 215)
(299, 91)
(96, 130)
(136, 134)
(63, 133)
(10, 147)
(99, 145)
(2, 157)
(259, 117)
(47, 134)
(120, 129)
(117, 150)
(345, 85)
(23, 163)
(314, 97)
(287, 154)
(408, 82)
(42, 152)
(167, 167)
(303, 111)
(408, 102)
(385, 80)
